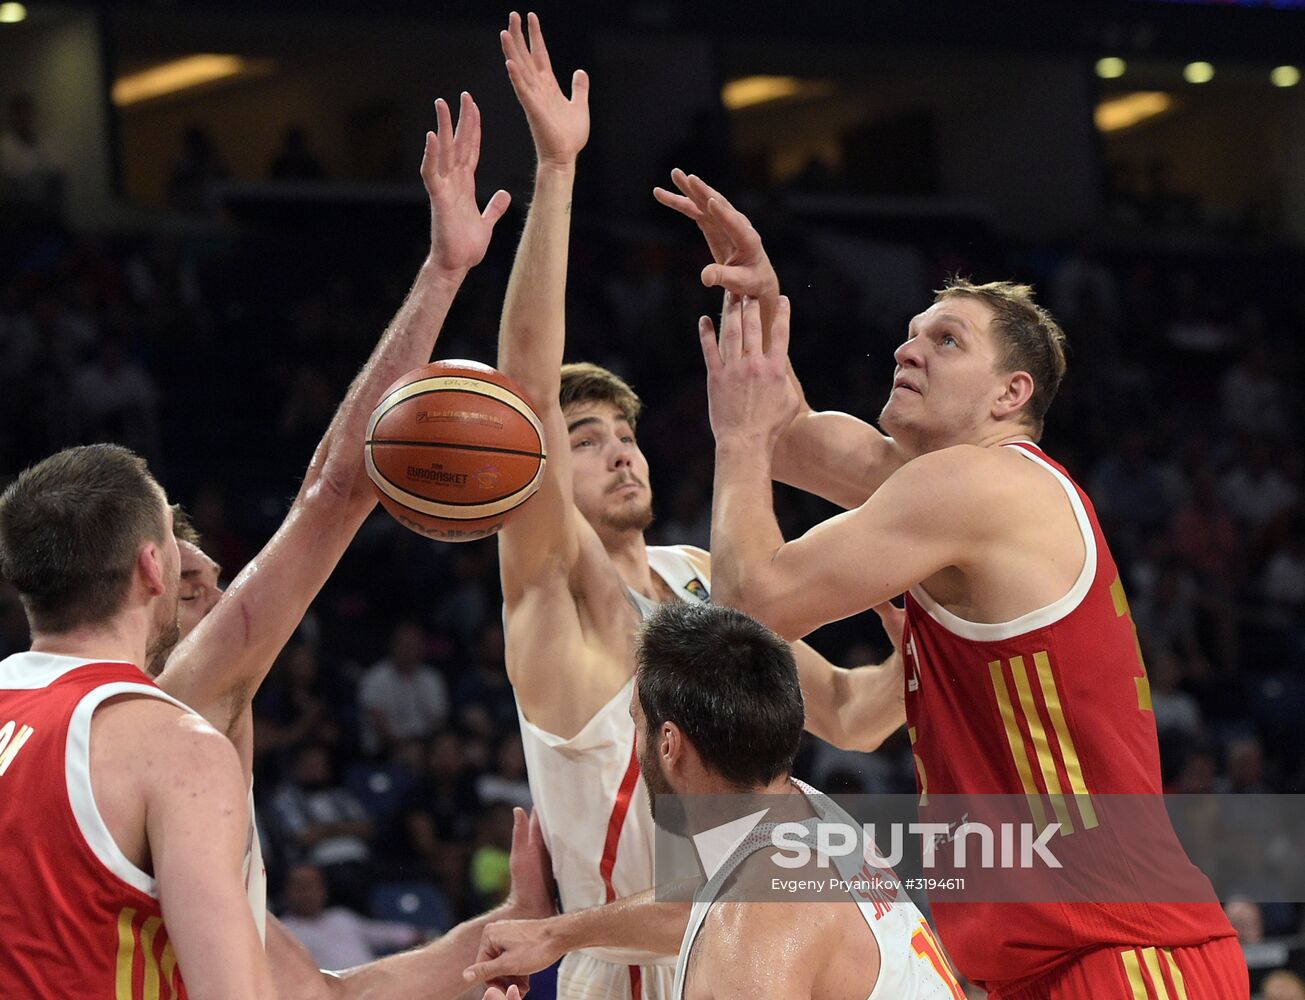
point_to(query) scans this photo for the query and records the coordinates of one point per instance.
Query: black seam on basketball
(471, 392)
(456, 447)
(453, 503)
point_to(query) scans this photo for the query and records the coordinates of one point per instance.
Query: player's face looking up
(947, 379)
(609, 473)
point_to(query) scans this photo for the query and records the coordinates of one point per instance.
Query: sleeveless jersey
(80, 920)
(1053, 705)
(911, 966)
(254, 871)
(589, 794)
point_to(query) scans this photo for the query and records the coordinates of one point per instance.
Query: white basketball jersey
(910, 964)
(254, 872)
(588, 792)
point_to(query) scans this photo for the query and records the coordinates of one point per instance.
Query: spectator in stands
(440, 816)
(1175, 710)
(1282, 985)
(402, 697)
(1283, 582)
(484, 698)
(1245, 767)
(490, 878)
(293, 708)
(1255, 489)
(1203, 535)
(1244, 915)
(323, 823)
(116, 400)
(294, 161)
(506, 784)
(1129, 491)
(30, 174)
(337, 937)
(200, 166)
(1252, 397)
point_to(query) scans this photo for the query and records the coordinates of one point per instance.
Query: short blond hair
(584, 382)
(1031, 338)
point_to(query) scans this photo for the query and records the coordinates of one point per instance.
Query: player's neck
(629, 554)
(116, 641)
(992, 436)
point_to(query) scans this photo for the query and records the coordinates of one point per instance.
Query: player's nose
(907, 354)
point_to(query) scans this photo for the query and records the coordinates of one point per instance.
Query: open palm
(560, 126)
(459, 231)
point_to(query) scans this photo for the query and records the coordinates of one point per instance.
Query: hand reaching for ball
(459, 231)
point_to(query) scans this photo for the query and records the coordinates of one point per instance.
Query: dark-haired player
(577, 574)
(122, 814)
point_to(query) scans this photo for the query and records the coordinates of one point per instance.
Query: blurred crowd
(387, 747)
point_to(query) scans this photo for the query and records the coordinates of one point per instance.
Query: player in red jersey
(122, 813)
(1022, 670)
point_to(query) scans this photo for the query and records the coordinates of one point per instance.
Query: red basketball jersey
(78, 919)
(1054, 704)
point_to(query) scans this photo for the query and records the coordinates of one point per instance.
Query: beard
(162, 643)
(670, 816)
(633, 517)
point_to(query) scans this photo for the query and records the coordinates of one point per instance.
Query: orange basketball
(453, 449)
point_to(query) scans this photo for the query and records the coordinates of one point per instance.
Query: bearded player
(577, 574)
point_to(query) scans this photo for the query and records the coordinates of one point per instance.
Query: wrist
(433, 271)
(750, 446)
(555, 167)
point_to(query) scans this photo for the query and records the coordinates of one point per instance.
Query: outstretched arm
(919, 522)
(834, 455)
(433, 971)
(221, 664)
(522, 947)
(540, 548)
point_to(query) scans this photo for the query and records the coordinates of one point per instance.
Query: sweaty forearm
(431, 972)
(532, 334)
(640, 922)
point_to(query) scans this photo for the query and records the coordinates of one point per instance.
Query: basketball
(453, 449)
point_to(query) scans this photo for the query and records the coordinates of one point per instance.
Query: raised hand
(531, 868)
(560, 126)
(750, 397)
(741, 265)
(459, 231)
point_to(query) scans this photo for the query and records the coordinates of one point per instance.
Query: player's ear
(671, 745)
(150, 568)
(1016, 391)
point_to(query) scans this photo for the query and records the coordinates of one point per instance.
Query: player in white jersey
(577, 575)
(230, 640)
(718, 714)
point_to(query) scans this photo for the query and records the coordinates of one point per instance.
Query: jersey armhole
(81, 795)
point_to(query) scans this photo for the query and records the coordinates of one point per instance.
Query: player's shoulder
(700, 558)
(962, 471)
(171, 732)
(749, 935)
